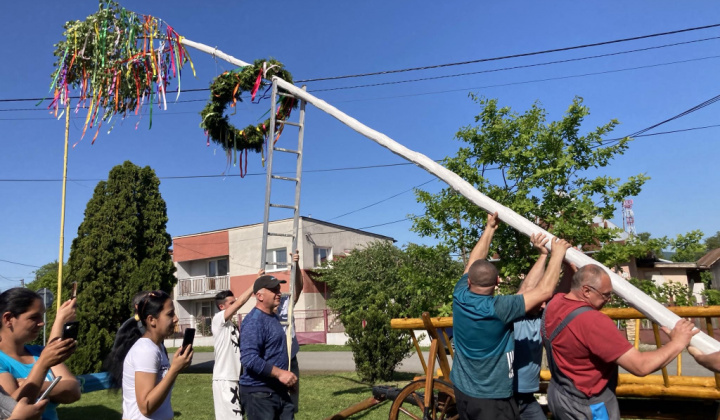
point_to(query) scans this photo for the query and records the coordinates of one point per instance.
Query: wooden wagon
(666, 396)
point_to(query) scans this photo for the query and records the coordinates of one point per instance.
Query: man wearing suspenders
(584, 349)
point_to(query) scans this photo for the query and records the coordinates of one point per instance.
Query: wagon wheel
(410, 402)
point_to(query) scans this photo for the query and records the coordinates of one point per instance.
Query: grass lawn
(321, 395)
(324, 347)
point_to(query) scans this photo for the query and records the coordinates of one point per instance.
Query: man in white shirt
(226, 372)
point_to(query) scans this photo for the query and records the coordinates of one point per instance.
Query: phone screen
(49, 388)
(188, 338)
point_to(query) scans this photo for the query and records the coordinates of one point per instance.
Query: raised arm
(239, 302)
(644, 363)
(482, 247)
(538, 269)
(149, 394)
(298, 280)
(544, 289)
(65, 314)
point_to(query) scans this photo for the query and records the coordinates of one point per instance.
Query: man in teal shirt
(482, 369)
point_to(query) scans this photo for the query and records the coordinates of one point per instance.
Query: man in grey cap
(266, 379)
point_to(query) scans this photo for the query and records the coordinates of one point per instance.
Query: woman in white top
(140, 363)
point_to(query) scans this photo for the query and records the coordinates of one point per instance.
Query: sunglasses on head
(152, 294)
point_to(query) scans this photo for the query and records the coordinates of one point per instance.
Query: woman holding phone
(25, 370)
(139, 363)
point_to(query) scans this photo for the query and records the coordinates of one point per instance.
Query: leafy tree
(643, 236)
(676, 294)
(670, 293)
(687, 247)
(381, 282)
(712, 296)
(121, 248)
(646, 286)
(545, 172)
(712, 242)
(614, 254)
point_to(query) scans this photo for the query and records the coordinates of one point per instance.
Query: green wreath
(226, 90)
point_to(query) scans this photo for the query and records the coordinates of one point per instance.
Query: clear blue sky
(317, 39)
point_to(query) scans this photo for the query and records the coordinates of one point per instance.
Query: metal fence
(311, 326)
(201, 324)
(202, 284)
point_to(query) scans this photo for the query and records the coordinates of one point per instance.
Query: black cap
(266, 282)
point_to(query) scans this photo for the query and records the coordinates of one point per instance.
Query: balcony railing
(201, 285)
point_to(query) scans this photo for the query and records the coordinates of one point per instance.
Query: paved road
(312, 361)
(343, 361)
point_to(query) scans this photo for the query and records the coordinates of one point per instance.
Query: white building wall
(341, 241)
(244, 246)
(182, 270)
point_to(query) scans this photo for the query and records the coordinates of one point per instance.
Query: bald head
(482, 273)
(590, 274)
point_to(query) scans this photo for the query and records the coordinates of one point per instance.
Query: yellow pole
(658, 343)
(711, 334)
(637, 333)
(679, 364)
(62, 206)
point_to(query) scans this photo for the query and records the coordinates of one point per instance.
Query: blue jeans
(268, 406)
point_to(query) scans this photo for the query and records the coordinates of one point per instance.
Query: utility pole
(22, 282)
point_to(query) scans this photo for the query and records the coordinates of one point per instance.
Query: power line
(382, 201)
(505, 57)
(17, 263)
(641, 133)
(547, 63)
(78, 97)
(680, 115)
(350, 168)
(384, 224)
(46, 109)
(572, 76)
(548, 79)
(471, 62)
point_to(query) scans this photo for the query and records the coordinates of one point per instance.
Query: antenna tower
(628, 217)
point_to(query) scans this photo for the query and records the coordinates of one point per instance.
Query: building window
(278, 255)
(217, 267)
(204, 309)
(203, 317)
(321, 255)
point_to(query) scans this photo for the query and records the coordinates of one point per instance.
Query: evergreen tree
(121, 248)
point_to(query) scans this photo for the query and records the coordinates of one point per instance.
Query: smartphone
(49, 388)
(70, 330)
(187, 339)
(73, 295)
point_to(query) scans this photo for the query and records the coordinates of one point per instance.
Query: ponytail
(129, 333)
